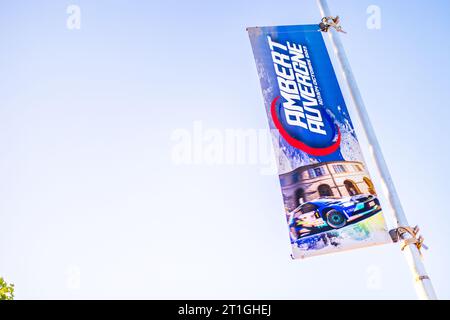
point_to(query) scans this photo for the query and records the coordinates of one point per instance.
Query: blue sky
(91, 195)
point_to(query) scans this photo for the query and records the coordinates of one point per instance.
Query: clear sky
(93, 204)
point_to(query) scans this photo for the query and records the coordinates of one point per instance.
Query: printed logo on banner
(298, 113)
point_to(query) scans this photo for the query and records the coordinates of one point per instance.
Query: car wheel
(336, 219)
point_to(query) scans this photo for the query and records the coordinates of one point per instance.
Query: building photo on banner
(247, 150)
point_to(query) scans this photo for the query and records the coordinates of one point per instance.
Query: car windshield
(307, 207)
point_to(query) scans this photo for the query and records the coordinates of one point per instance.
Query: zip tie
(420, 278)
(397, 234)
(332, 22)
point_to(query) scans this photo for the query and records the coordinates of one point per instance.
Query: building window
(316, 172)
(357, 167)
(325, 190)
(299, 196)
(339, 168)
(351, 187)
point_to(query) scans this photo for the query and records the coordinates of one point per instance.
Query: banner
(330, 201)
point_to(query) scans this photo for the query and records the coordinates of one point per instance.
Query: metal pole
(423, 285)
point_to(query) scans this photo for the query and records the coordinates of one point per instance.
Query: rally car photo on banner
(329, 198)
(331, 213)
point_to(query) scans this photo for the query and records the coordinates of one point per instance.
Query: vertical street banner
(330, 201)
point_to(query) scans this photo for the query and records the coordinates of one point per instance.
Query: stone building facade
(326, 179)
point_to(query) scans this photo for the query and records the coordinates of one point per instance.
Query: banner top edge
(290, 28)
